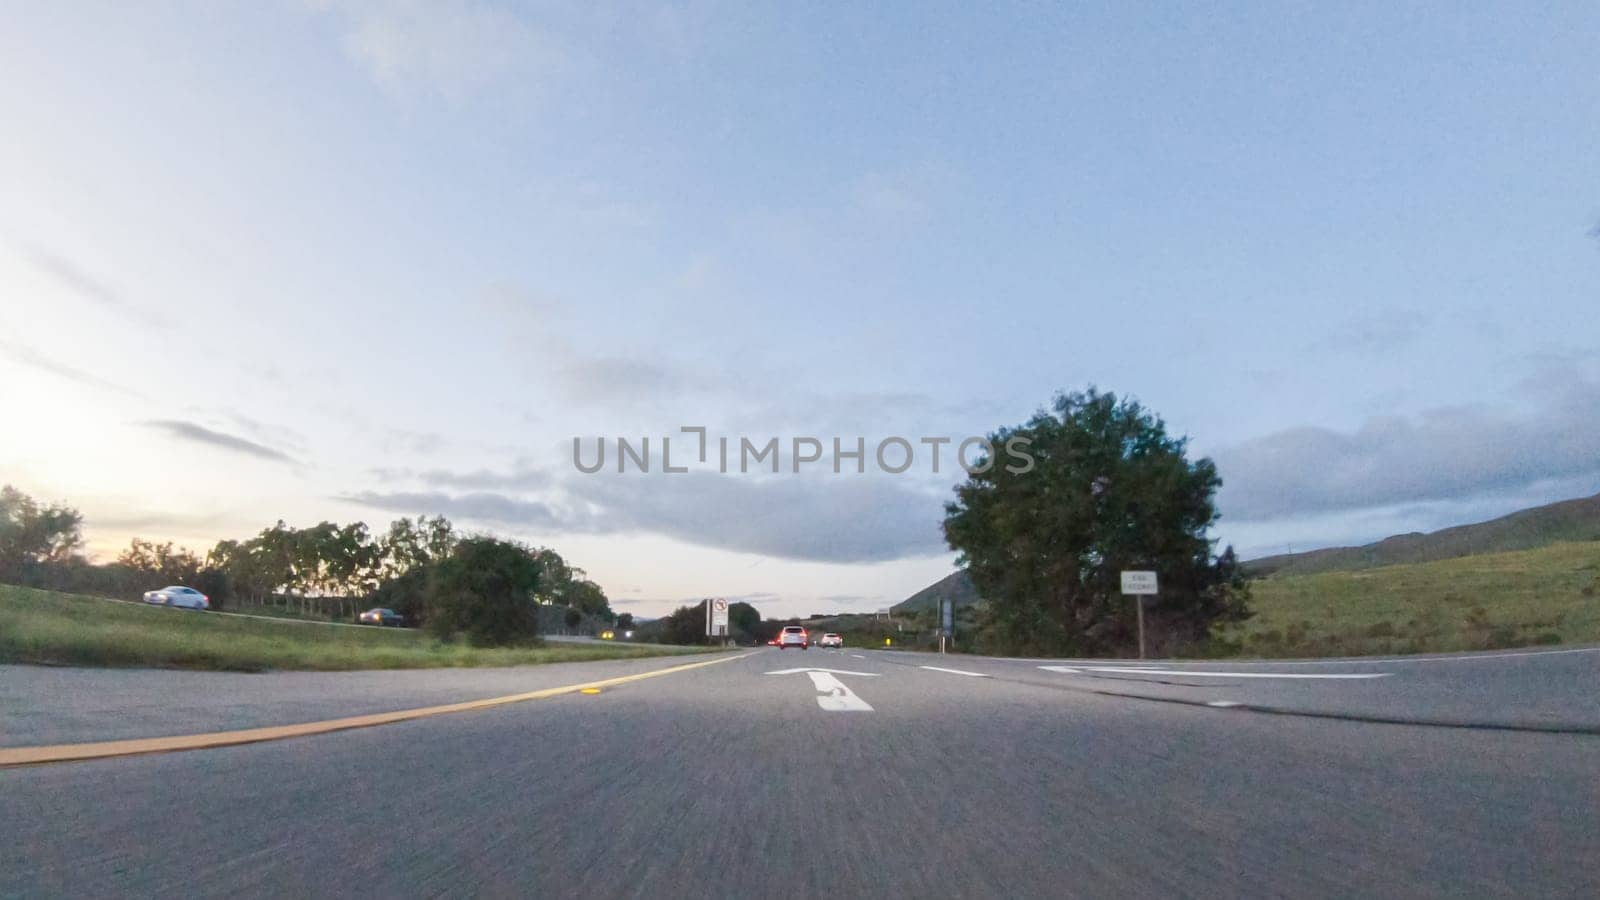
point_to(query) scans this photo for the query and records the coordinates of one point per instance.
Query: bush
(485, 590)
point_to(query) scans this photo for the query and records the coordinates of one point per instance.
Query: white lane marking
(1224, 704)
(1352, 660)
(857, 656)
(1129, 670)
(953, 671)
(820, 669)
(833, 696)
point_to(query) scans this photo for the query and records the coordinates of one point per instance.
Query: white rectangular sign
(719, 616)
(1139, 583)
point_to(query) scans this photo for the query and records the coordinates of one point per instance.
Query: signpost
(947, 615)
(1140, 585)
(717, 617)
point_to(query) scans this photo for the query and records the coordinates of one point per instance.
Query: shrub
(485, 590)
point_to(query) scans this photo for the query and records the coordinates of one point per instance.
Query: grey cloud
(73, 277)
(822, 518)
(188, 431)
(812, 518)
(77, 279)
(1375, 334)
(609, 380)
(473, 507)
(25, 356)
(523, 478)
(1444, 454)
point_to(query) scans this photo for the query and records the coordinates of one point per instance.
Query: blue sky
(337, 260)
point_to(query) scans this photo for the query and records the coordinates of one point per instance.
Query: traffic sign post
(947, 615)
(717, 617)
(1139, 585)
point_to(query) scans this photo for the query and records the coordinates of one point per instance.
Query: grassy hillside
(956, 585)
(49, 627)
(1541, 526)
(1545, 596)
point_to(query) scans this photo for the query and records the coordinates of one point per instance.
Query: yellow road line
(28, 756)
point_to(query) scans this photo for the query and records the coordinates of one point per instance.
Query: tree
(31, 534)
(744, 620)
(685, 625)
(587, 596)
(485, 589)
(1107, 490)
(161, 563)
(625, 620)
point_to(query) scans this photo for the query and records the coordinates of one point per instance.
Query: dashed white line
(1192, 673)
(1224, 704)
(954, 671)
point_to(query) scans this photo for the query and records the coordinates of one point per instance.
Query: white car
(179, 596)
(793, 636)
(831, 640)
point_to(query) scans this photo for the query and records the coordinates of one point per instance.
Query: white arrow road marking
(953, 671)
(1074, 670)
(833, 696)
(818, 669)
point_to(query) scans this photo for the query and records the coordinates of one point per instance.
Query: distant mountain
(1541, 526)
(956, 585)
(1568, 520)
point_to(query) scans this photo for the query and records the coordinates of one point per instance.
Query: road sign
(1140, 585)
(717, 617)
(1143, 583)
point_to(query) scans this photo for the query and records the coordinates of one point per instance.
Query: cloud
(613, 380)
(847, 599)
(1444, 454)
(1375, 334)
(825, 518)
(483, 507)
(451, 48)
(818, 518)
(79, 281)
(188, 431)
(28, 357)
(523, 477)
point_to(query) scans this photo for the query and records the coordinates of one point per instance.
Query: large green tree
(31, 533)
(1108, 489)
(486, 589)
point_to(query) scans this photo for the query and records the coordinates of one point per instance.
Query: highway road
(890, 774)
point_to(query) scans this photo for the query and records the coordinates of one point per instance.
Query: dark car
(382, 617)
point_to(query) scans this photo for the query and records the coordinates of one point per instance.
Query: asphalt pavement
(892, 774)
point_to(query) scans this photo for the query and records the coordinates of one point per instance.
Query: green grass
(1550, 595)
(48, 627)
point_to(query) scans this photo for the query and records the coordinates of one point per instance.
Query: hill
(1541, 526)
(1483, 601)
(955, 585)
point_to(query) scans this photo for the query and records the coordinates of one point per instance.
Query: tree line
(487, 589)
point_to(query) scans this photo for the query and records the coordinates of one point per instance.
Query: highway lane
(1557, 690)
(728, 781)
(59, 704)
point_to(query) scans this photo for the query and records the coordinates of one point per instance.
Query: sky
(350, 261)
